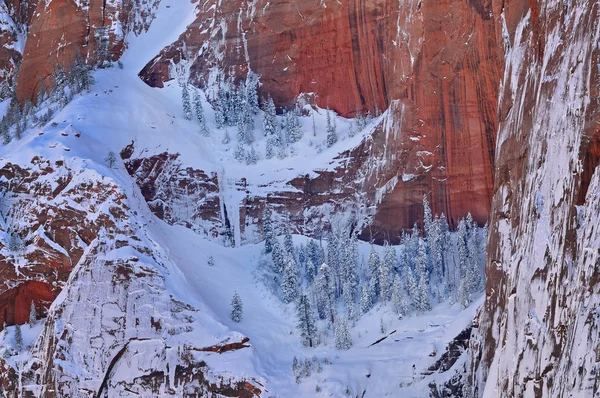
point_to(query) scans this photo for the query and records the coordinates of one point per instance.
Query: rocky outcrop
(60, 30)
(540, 324)
(85, 255)
(435, 66)
(48, 211)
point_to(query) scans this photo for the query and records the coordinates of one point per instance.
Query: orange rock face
(436, 66)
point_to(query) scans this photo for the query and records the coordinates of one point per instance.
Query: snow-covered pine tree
(220, 102)
(211, 261)
(306, 321)
(475, 280)
(381, 326)
(427, 217)
(423, 289)
(294, 129)
(366, 301)
(270, 128)
(324, 294)
(373, 264)
(200, 115)
(348, 296)
(32, 314)
(278, 256)
(268, 232)
(331, 133)
(251, 93)
(288, 243)
(289, 280)
(413, 289)
(14, 244)
(240, 153)
(18, 338)
(384, 282)
(397, 295)
(237, 308)
(252, 157)
(59, 95)
(185, 100)
(342, 338)
(390, 258)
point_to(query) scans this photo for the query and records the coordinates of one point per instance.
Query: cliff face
(540, 324)
(435, 67)
(60, 30)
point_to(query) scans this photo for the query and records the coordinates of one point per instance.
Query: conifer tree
(384, 284)
(200, 115)
(342, 338)
(289, 280)
(365, 300)
(220, 108)
(288, 243)
(306, 321)
(268, 232)
(32, 314)
(18, 338)
(423, 289)
(278, 255)
(331, 133)
(270, 127)
(237, 308)
(185, 100)
(294, 129)
(397, 295)
(251, 93)
(373, 264)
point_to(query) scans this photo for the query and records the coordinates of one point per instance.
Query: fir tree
(384, 284)
(18, 338)
(251, 93)
(270, 127)
(381, 326)
(200, 115)
(211, 261)
(268, 232)
(237, 308)
(294, 130)
(366, 300)
(289, 280)
(278, 256)
(252, 156)
(32, 314)
(373, 264)
(397, 295)
(423, 290)
(331, 133)
(348, 296)
(288, 243)
(427, 218)
(342, 338)
(324, 294)
(306, 321)
(220, 108)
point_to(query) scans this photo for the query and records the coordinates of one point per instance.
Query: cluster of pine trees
(65, 85)
(332, 285)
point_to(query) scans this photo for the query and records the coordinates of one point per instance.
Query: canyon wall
(539, 327)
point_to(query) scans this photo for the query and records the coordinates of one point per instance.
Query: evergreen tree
(342, 338)
(348, 297)
(373, 264)
(331, 133)
(278, 255)
(32, 314)
(268, 232)
(14, 244)
(270, 127)
(60, 84)
(474, 279)
(294, 129)
(423, 290)
(200, 115)
(427, 217)
(288, 243)
(306, 321)
(381, 326)
(251, 93)
(18, 130)
(240, 153)
(237, 308)
(384, 284)
(366, 301)
(18, 338)
(413, 290)
(211, 261)
(252, 156)
(324, 294)
(397, 295)
(390, 258)
(220, 108)
(289, 280)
